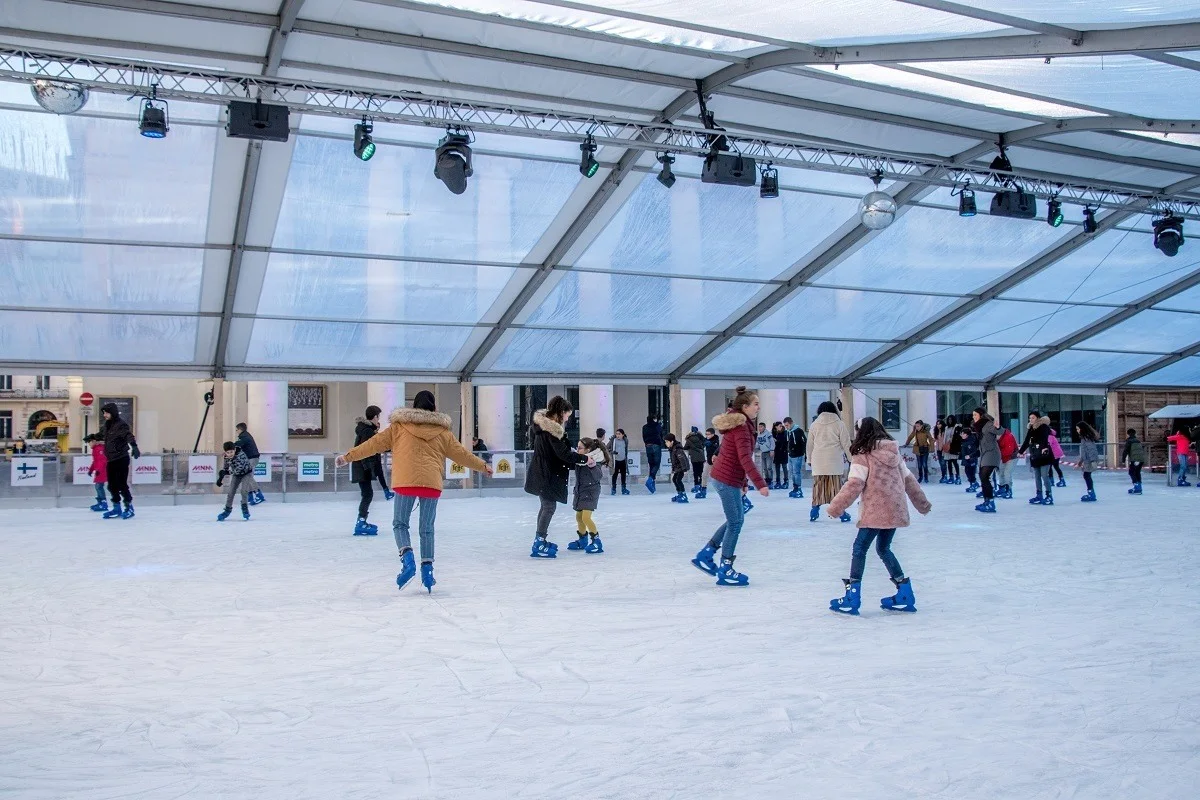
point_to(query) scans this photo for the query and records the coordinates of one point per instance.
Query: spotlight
(877, 209)
(587, 159)
(665, 176)
(453, 161)
(364, 145)
(1089, 220)
(1168, 234)
(59, 97)
(1001, 163)
(769, 187)
(152, 121)
(966, 202)
(1054, 213)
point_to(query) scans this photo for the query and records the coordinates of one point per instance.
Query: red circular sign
(86, 399)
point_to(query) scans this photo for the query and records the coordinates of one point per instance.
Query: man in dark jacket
(652, 438)
(797, 444)
(367, 470)
(246, 444)
(694, 443)
(118, 443)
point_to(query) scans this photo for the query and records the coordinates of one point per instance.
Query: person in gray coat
(989, 457)
(1089, 457)
(588, 481)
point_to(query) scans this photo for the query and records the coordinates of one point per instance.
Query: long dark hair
(424, 401)
(559, 408)
(827, 406)
(984, 419)
(870, 434)
(1086, 431)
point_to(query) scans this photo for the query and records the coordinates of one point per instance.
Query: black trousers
(986, 479)
(1058, 469)
(118, 480)
(677, 478)
(620, 468)
(1135, 471)
(697, 472)
(368, 494)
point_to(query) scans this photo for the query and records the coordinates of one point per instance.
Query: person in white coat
(827, 451)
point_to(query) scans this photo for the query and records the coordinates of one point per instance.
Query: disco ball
(877, 210)
(59, 97)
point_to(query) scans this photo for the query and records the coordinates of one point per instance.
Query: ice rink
(1054, 655)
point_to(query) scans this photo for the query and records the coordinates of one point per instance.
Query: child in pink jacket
(1057, 450)
(878, 474)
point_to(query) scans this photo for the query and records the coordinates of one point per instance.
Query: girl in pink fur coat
(878, 474)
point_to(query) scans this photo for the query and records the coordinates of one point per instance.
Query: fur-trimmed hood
(728, 421)
(420, 423)
(548, 425)
(1039, 422)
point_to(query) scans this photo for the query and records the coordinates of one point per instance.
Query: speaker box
(251, 120)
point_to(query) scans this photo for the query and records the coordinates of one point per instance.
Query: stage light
(588, 165)
(1089, 220)
(152, 121)
(1168, 234)
(1054, 213)
(665, 176)
(769, 186)
(1001, 163)
(966, 202)
(364, 145)
(453, 161)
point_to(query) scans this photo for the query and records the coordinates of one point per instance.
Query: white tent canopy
(203, 255)
(1176, 412)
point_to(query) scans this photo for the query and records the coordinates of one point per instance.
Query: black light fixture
(1001, 163)
(768, 187)
(152, 120)
(966, 201)
(453, 160)
(1054, 213)
(1089, 220)
(665, 176)
(588, 165)
(1168, 233)
(364, 145)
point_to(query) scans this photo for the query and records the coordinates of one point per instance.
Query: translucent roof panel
(928, 248)
(812, 21)
(1149, 332)
(1185, 372)
(71, 176)
(605, 300)
(843, 312)
(752, 355)
(98, 338)
(938, 87)
(1083, 366)
(1126, 84)
(378, 289)
(1115, 267)
(67, 275)
(703, 229)
(1188, 300)
(951, 362)
(1086, 12)
(541, 351)
(297, 343)
(393, 205)
(1019, 324)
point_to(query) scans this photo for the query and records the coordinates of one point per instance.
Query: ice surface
(170, 656)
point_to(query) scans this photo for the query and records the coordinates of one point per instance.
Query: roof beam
(1120, 123)
(1189, 281)
(1155, 366)
(1000, 19)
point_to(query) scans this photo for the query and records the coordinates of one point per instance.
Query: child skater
(734, 463)
(878, 474)
(237, 469)
(1008, 459)
(548, 469)
(588, 481)
(98, 469)
(679, 466)
(968, 453)
(1135, 453)
(1089, 457)
(1057, 450)
(420, 441)
(366, 471)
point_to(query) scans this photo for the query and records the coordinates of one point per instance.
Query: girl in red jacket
(1181, 442)
(732, 466)
(98, 470)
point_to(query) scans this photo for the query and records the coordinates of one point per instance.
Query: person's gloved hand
(136, 452)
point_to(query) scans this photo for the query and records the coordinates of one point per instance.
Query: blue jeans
(653, 459)
(1181, 464)
(100, 496)
(883, 546)
(403, 510)
(796, 467)
(726, 536)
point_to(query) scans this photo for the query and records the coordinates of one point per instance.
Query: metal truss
(131, 77)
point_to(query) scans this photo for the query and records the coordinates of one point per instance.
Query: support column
(993, 404)
(75, 413)
(847, 397)
(1112, 433)
(466, 428)
(216, 416)
(388, 396)
(596, 409)
(772, 405)
(495, 405)
(676, 404)
(693, 409)
(922, 405)
(266, 415)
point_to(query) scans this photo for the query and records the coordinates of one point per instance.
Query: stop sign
(86, 399)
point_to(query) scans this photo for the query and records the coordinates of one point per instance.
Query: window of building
(43, 382)
(659, 404)
(6, 431)
(5, 383)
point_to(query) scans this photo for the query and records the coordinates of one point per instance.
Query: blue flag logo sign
(28, 471)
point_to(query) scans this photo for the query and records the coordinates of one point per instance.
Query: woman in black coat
(781, 456)
(548, 469)
(1041, 457)
(367, 471)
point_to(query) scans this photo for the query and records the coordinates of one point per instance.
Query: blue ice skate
(580, 542)
(728, 576)
(902, 600)
(704, 560)
(746, 504)
(595, 546)
(987, 507)
(1061, 483)
(1137, 489)
(650, 485)
(624, 491)
(408, 569)
(1049, 501)
(113, 512)
(245, 511)
(427, 576)
(543, 549)
(224, 515)
(814, 514)
(614, 491)
(845, 517)
(1037, 501)
(851, 601)
(128, 512)
(679, 498)
(100, 505)
(364, 528)
(1090, 497)
(974, 487)
(703, 493)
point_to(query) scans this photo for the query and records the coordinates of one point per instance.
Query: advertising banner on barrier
(310, 468)
(635, 463)
(262, 470)
(147, 469)
(202, 469)
(502, 467)
(455, 472)
(79, 469)
(27, 472)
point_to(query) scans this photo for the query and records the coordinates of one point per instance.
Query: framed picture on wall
(126, 408)
(889, 413)
(306, 410)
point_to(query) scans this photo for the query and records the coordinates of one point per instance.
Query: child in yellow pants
(588, 482)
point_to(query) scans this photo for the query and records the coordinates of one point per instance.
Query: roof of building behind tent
(1176, 412)
(199, 254)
